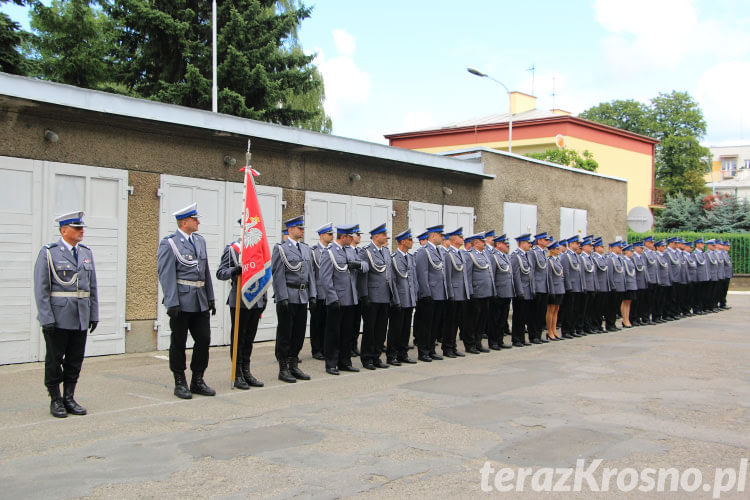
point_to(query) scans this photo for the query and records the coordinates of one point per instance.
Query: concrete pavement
(672, 395)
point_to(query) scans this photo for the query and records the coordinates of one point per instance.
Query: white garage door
(321, 208)
(573, 221)
(518, 219)
(424, 215)
(31, 195)
(219, 205)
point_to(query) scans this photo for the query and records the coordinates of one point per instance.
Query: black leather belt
(302, 286)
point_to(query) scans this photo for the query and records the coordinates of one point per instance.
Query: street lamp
(476, 72)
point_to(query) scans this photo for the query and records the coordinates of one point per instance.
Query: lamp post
(476, 72)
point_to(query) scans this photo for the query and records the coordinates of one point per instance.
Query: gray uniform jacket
(572, 267)
(721, 264)
(230, 259)
(587, 272)
(318, 252)
(538, 269)
(404, 273)
(616, 272)
(713, 265)
(522, 279)
(431, 273)
(555, 276)
(641, 277)
(57, 276)
(728, 269)
(630, 280)
(479, 274)
(662, 270)
(189, 266)
(456, 274)
(649, 257)
(675, 265)
(701, 263)
(502, 272)
(339, 283)
(378, 284)
(601, 273)
(293, 276)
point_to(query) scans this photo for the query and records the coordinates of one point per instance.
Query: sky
(395, 66)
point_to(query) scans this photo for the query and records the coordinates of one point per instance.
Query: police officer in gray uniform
(585, 320)
(502, 274)
(650, 263)
(538, 258)
(664, 288)
(616, 276)
(456, 307)
(523, 284)
(639, 315)
(675, 277)
(182, 265)
(482, 287)
(294, 287)
(713, 273)
(230, 268)
(399, 322)
(702, 277)
(67, 308)
(573, 289)
(433, 293)
(728, 275)
(318, 312)
(339, 279)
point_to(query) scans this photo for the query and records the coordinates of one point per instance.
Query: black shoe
(567, 336)
(368, 366)
(481, 348)
(435, 356)
(348, 368)
(581, 333)
(333, 371)
(526, 344)
(180, 386)
(251, 381)
(240, 383)
(449, 354)
(495, 347)
(424, 357)
(458, 354)
(517, 344)
(319, 356)
(536, 341)
(407, 360)
(198, 386)
(506, 346)
(472, 350)
(56, 406)
(284, 374)
(69, 403)
(379, 364)
(295, 371)
(544, 341)
(393, 361)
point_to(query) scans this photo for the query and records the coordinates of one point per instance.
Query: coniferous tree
(680, 213)
(11, 38)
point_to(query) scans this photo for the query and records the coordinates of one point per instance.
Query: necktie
(190, 240)
(75, 254)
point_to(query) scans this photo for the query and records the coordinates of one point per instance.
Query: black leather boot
(239, 379)
(180, 386)
(198, 386)
(56, 407)
(284, 374)
(295, 371)
(251, 381)
(70, 404)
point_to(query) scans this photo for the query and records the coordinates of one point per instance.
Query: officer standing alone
(68, 307)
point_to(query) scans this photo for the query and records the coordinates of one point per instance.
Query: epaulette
(303, 243)
(169, 236)
(83, 246)
(51, 245)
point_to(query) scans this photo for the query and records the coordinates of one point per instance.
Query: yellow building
(619, 153)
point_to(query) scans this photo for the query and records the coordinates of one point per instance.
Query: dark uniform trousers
(199, 325)
(249, 319)
(374, 331)
(317, 326)
(477, 317)
(64, 358)
(522, 310)
(661, 296)
(399, 328)
(498, 314)
(583, 321)
(539, 315)
(290, 332)
(455, 316)
(337, 343)
(354, 325)
(572, 310)
(640, 306)
(598, 309)
(611, 308)
(724, 284)
(423, 323)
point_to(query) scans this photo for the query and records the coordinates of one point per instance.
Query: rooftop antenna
(532, 68)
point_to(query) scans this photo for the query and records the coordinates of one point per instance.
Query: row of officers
(451, 288)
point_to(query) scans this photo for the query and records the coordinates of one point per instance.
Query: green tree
(726, 214)
(11, 38)
(680, 213)
(676, 120)
(164, 54)
(71, 44)
(568, 157)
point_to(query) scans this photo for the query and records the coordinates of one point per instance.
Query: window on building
(729, 165)
(746, 164)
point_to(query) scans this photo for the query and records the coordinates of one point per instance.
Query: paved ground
(673, 395)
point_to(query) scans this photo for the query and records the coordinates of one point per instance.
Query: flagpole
(214, 84)
(238, 297)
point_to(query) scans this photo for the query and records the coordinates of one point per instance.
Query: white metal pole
(214, 85)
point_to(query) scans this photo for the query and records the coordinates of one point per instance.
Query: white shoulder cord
(477, 264)
(698, 260)
(648, 259)
(436, 267)
(631, 274)
(639, 269)
(179, 257)
(499, 265)
(375, 267)
(458, 268)
(405, 275)
(672, 258)
(614, 265)
(52, 271)
(344, 269)
(536, 259)
(315, 259)
(524, 270)
(554, 270)
(662, 264)
(293, 268)
(598, 262)
(585, 267)
(713, 260)
(575, 267)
